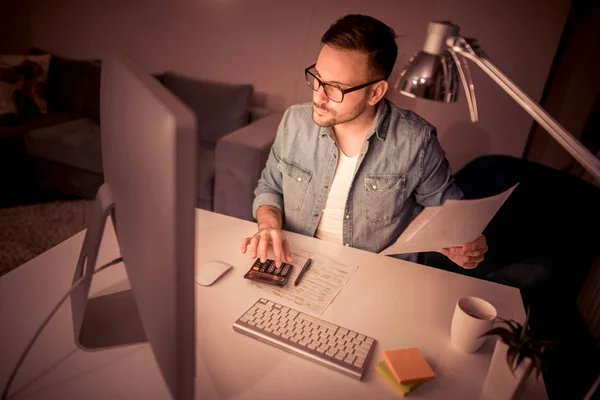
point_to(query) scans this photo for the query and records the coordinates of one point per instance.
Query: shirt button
(326, 186)
(316, 215)
(347, 216)
(334, 156)
(374, 186)
(299, 179)
(347, 244)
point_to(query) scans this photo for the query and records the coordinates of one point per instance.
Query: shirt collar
(380, 123)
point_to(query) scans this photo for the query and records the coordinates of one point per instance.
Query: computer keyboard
(317, 340)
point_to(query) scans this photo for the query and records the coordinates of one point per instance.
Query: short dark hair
(368, 35)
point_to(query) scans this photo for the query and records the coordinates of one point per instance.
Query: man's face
(344, 68)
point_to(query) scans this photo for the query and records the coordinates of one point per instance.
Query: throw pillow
(220, 108)
(31, 99)
(73, 84)
(11, 84)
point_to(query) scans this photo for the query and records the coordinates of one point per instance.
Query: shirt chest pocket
(295, 184)
(384, 195)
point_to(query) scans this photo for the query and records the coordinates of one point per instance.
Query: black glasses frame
(344, 91)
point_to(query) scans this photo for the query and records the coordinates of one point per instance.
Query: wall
(574, 85)
(15, 32)
(269, 42)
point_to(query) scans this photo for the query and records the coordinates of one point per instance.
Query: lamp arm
(469, 48)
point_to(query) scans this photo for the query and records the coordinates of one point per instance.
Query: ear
(377, 92)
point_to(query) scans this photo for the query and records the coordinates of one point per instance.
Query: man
(351, 167)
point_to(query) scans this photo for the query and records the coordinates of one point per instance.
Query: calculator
(268, 272)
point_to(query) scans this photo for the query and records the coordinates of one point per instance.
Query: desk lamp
(433, 74)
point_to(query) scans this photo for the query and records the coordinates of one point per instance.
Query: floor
(34, 220)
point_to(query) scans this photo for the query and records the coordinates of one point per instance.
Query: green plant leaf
(526, 324)
(522, 343)
(495, 331)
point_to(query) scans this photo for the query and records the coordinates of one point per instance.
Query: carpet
(26, 231)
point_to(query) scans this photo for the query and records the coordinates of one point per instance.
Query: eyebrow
(336, 82)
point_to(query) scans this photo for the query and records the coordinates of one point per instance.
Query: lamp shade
(432, 73)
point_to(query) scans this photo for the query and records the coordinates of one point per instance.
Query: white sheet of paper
(318, 287)
(454, 223)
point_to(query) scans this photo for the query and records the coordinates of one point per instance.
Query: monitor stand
(108, 320)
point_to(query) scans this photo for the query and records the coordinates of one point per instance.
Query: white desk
(398, 303)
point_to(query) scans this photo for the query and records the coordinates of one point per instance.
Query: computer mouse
(209, 272)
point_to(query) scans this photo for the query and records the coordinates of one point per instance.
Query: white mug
(472, 318)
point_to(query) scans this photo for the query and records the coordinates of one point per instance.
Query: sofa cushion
(220, 108)
(75, 143)
(36, 123)
(205, 177)
(73, 85)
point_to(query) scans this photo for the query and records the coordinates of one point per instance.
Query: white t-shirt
(331, 225)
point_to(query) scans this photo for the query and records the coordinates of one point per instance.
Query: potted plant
(517, 353)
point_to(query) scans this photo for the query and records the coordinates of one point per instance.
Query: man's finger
(277, 248)
(244, 245)
(477, 252)
(467, 249)
(478, 243)
(262, 247)
(254, 245)
(470, 265)
(462, 259)
(287, 253)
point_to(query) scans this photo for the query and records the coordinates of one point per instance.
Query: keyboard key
(363, 348)
(310, 318)
(360, 353)
(359, 362)
(350, 359)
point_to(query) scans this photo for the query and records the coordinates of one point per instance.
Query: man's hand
(469, 255)
(269, 232)
(260, 242)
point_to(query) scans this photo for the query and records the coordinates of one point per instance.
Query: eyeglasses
(333, 92)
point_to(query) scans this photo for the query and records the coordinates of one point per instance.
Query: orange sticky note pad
(408, 365)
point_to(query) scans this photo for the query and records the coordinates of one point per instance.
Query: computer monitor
(149, 161)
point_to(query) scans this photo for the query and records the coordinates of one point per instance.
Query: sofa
(60, 148)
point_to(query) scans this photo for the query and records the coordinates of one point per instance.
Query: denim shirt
(401, 169)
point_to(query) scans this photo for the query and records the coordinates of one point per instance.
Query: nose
(320, 97)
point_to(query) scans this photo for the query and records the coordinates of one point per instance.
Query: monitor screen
(149, 156)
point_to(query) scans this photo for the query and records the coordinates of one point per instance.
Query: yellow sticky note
(402, 388)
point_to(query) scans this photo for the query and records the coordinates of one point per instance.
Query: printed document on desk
(454, 223)
(320, 284)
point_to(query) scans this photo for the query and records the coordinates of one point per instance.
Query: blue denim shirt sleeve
(269, 191)
(436, 183)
